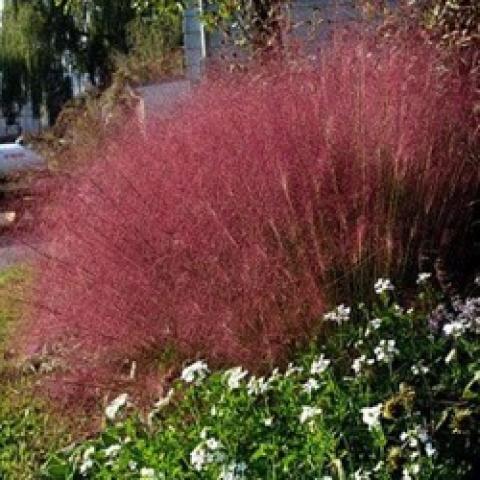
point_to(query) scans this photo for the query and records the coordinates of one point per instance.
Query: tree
(111, 27)
(40, 38)
(103, 29)
(35, 39)
(256, 24)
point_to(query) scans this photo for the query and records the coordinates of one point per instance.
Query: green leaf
(56, 469)
(472, 390)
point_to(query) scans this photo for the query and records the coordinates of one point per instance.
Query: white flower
(398, 310)
(132, 465)
(406, 474)
(358, 364)
(420, 368)
(376, 323)
(371, 415)
(195, 372)
(430, 451)
(385, 351)
(319, 365)
(114, 407)
(311, 385)
(163, 402)
(208, 451)
(383, 285)
(274, 375)
(308, 413)
(233, 471)
(413, 442)
(257, 386)
(451, 355)
(234, 376)
(199, 457)
(423, 278)
(86, 465)
(455, 328)
(87, 462)
(213, 444)
(147, 473)
(268, 422)
(339, 315)
(422, 434)
(361, 475)
(293, 370)
(412, 437)
(112, 450)
(88, 452)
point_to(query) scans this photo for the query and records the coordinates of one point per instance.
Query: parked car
(19, 166)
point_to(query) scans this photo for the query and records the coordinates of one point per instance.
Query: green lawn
(27, 430)
(12, 285)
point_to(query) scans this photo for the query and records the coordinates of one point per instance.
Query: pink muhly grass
(225, 231)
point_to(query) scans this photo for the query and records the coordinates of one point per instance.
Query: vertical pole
(194, 40)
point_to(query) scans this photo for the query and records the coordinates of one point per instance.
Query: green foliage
(34, 40)
(456, 22)
(452, 24)
(154, 52)
(16, 57)
(111, 28)
(257, 25)
(104, 26)
(27, 430)
(12, 283)
(393, 394)
(40, 41)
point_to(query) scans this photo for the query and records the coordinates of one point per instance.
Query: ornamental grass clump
(225, 229)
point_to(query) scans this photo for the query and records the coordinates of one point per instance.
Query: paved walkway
(13, 251)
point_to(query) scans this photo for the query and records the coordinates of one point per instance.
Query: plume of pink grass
(227, 229)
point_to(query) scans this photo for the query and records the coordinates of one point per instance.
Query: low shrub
(224, 230)
(393, 395)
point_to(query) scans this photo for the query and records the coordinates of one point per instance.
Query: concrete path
(13, 251)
